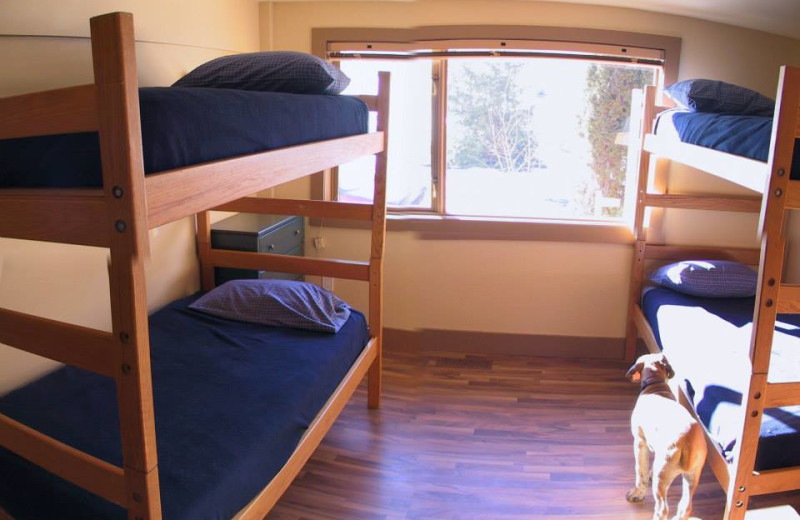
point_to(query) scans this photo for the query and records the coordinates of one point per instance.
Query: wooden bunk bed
(119, 216)
(777, 192)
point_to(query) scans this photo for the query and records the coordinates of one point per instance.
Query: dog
(660, 425)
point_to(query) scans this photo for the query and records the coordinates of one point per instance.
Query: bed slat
(82, 347)
(62, 111)
(370, 101)
(291, 264)
(703, 202)
(782, 394)
(716, 459)
(303, 208)
(65, 216)
(645, 330)
(774, 481)
(262, 503)
(90, 473)
(789, 299)
(659, 252)
(186, 191)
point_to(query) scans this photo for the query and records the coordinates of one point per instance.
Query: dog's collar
(650, 382)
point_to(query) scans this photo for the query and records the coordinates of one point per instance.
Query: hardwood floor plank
(490, 437)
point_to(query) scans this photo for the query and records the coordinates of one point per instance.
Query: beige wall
(571, 289)
(44, 44)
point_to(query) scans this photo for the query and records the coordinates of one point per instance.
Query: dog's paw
(635, 495)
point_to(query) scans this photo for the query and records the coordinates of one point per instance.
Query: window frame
(434, 223)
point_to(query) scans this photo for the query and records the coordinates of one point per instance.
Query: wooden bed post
(203, 223)
(639, 238)
(378, 244)
(123, 183)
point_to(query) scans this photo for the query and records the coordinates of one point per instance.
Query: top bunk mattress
(185, 126)
(232, 401)
(746, 136)
(707, 341)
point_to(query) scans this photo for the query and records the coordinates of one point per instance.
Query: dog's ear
(667, 367)
(634, 374)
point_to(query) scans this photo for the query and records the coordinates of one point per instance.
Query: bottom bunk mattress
(707, 341)
(232, 400)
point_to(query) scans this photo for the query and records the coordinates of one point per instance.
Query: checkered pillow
(708, 278)
(279, 303)
(707, 95)
(282, 71)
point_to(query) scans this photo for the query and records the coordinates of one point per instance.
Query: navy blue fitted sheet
(707, 341)
(747, 136)
(231, 402)
(184, 126)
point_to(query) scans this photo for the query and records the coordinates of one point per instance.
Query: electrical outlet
(327, 283)
(319, 242)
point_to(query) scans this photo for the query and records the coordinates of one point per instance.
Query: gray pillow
(279, 71)
(708, 278)
(708, 95)
(280, 303)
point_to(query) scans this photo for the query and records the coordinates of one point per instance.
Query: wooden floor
(486, 437)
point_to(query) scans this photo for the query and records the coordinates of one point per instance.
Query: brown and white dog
(661, 425)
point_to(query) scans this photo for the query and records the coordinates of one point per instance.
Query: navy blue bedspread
(231, 402)
(707, 341)
(748, 136)
(184, 126)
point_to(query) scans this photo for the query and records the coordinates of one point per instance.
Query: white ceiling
(773, 16)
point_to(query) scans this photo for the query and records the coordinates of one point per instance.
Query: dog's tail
(693, 451)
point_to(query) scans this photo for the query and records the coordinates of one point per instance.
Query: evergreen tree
(489, 103)
(608, 90)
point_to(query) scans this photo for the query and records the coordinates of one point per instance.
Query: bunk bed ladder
(378, 243)
(772, 296)
(113, 218)
(119, 125)
(639, 230)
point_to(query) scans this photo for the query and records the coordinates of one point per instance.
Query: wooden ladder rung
(702, 202)
(82, 347)
(61, 111)
(303, 208)
(291, 264)
(774, 481)
(789, 299)
(782, 394)
(88, 472)
(52, 215)
(661, 252)
(793, 195)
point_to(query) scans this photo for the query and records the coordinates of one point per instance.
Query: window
(408, 186)
(529, 130)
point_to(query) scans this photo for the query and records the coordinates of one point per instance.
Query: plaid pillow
(281, 71)
(279, 303)
(706, 95)
(708, 278)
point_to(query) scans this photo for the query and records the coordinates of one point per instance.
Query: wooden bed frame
(777, 194)
(119, 217)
